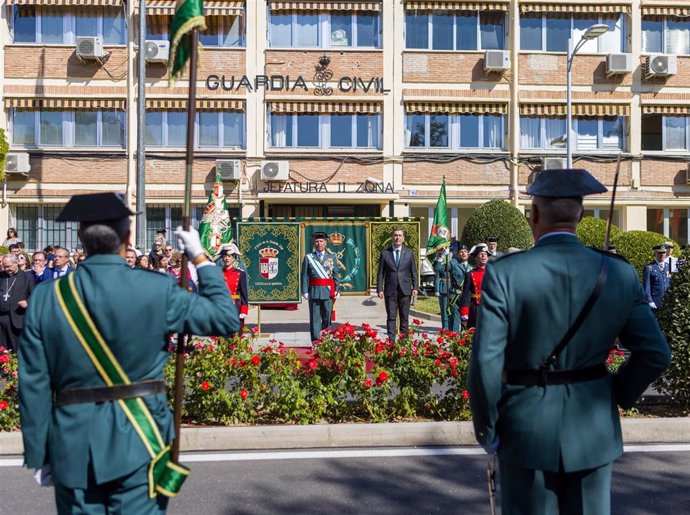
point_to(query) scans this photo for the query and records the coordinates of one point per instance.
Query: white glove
(465, 317)
(44, 476)
(652, 305)
(189, 242)
(437, 294)
(306, 296)
(243, 316)
(337, 295)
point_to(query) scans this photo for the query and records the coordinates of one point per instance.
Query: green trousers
(319, 316)
(535, 492)
(128, 495)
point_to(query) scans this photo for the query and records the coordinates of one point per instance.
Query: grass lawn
(427, 305)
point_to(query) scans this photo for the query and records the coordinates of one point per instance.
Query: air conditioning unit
(619, 64)
(157, 51)
(496, 60)
(660, 65)
(17, 163)
(275, 170)
(229, 169)
(553, 163)
(90, 48)
(687, 175)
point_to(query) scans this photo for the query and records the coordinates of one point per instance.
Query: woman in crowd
(175, 269)
(12, 237)
(23, 262)
(143, 261)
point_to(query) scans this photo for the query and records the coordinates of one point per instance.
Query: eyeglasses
(176, 264)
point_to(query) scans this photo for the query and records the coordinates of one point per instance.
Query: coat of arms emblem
(268, 262)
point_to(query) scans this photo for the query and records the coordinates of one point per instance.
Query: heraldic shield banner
(348, 240)
(271, 256)
(381, 238)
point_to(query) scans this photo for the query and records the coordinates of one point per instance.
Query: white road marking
(362, 453)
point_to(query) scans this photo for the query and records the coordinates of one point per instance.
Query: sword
(609, 222)
(491, 483)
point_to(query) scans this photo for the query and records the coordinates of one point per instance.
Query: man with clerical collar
(320, 284)
(530, 400)
(656, 278)
(15, 289)
(94, 414)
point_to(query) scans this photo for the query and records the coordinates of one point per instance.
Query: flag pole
(186, 223)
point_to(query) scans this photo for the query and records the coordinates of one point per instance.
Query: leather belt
(109, 393)
(544, 377)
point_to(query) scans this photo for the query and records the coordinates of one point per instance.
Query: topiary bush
(636, 247)
(4, 148)
(674, 319)
(498, 218)
(592, 231)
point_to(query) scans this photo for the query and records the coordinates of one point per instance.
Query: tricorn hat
(319, 235)
(230, 248)
(492, 238)
(563, 183)
(94, 207)
(479, 247)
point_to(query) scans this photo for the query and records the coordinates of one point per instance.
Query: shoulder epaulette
(607, 253)
(506, 255)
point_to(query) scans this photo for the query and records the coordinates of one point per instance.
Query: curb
(404, 434)
(424, 316)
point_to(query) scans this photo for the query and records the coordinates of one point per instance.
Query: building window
(215, 129)
(37, 227)
(449, 30)
(62, 25)
(550, 32)
(666, 34)
(334, 29)
(672, 223)
(661, 132)
(327, 131)
(456, 131)
(605, 133)
(48, 128)
(597, 212)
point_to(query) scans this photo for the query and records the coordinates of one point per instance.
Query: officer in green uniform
(442, 284)
(91, 366)
(320, 284)
(459, 266)
(555, 423)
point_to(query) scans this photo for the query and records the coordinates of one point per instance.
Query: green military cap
(564, 183)
(94, 207)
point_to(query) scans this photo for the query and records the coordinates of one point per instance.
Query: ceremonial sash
(164, 476)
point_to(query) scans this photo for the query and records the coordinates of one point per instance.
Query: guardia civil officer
(442, 284)
(554, 421)
(92, 397)
(656, 279)
(320, 284)
(459, 268)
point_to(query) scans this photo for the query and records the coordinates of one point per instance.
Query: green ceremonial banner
(215, 229)
(272, 259)
(348, 240)
(189, 15)
(380, 238)
(440, 234)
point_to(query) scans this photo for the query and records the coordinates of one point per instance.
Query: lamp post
(592, 32)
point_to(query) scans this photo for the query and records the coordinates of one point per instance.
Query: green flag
(440, 235)
(214, 228)
(189, 15)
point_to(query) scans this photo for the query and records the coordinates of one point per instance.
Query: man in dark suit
(61, 266)
(92, 401)
(39, 269)
(656, 278)
(397, 282)
(551, 415)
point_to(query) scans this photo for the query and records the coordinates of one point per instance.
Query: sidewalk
(291, 327)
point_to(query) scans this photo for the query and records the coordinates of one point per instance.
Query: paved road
(645, 483)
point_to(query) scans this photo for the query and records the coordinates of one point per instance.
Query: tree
(674, 319)
(636, 247)
(500, 219)
(592, 231)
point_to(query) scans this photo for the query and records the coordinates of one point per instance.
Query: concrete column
(634, 218)
(256, 21)
(393, 29)
(132, 112)
(514, 114)
(5, 221)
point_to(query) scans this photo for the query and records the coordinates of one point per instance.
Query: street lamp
(592, 32)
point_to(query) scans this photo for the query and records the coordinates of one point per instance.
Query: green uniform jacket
(330, 264)
(529, 300)
(135, 310)
(442, 275)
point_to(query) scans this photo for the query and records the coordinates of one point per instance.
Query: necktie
(397, 257)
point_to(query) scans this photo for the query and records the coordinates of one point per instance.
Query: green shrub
(498, 218)
(674, 319)
(636, 247)
(4, 250)
(592, 231)
(4, 148)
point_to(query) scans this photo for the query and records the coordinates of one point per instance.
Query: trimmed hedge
(498, 218)
(592, 231)
(4, 148)
(673, 319)
(636, 247)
